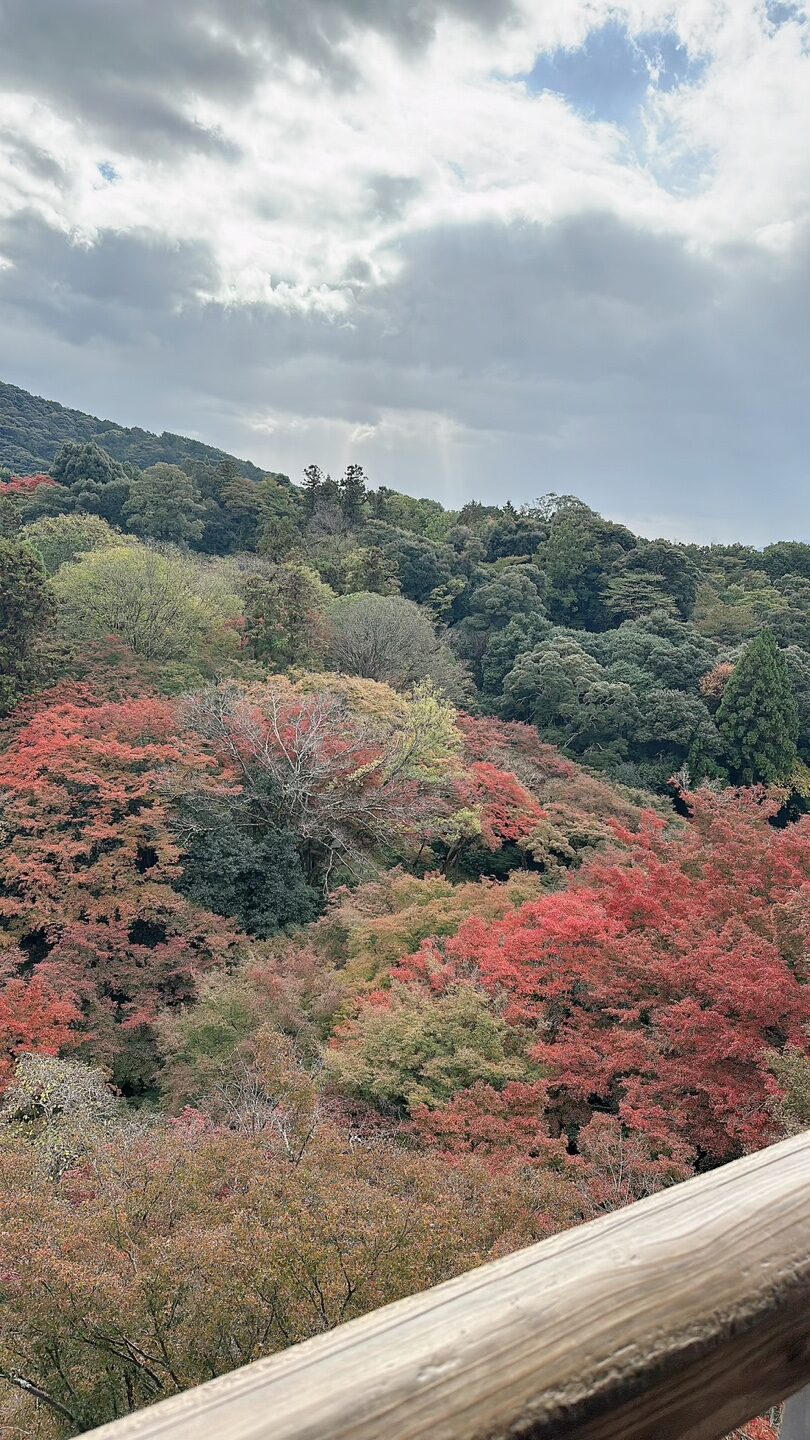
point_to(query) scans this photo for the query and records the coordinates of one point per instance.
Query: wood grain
(681, 1316)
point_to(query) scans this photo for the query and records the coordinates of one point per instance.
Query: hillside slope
(32, 430)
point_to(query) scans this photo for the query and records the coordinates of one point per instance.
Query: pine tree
(353, 494)
(313, 481)
(758, 718)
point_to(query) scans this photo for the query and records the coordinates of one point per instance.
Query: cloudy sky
(484, 247)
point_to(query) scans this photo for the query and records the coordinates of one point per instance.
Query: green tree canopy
(96, 482)
(165, 504)
(61, 538)
(758, 718)
(26, 606)
(165, 606)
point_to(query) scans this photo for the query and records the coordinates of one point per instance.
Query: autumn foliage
(88, 911)
(655, 987)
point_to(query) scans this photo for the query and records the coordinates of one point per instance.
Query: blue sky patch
(108, 172)
(608, 77)
(781, 11)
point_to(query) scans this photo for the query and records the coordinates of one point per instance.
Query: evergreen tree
(353, 494)
(9, 519)
(165, 504)
(248, 872)
(758, 717)
(26, 605)
(313, 481)
(96, 482)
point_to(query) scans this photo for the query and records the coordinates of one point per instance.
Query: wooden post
(675, 1319)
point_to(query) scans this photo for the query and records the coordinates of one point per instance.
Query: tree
(165, 504)
(354, 775)
(285, 615)
(353, 495)
(577, 558)
(313, 483)
(62, 538)
(503, 648)
(26, 607)
(370, 570)
(659, 984)
(94, 480)
(492, 604)
(786, 557)
(655, 575)
(758, 719)
(388, 638)
(62, 1106)
(178, 1253)
(422, 565)
(88, 871)
(280, 520)
(36, 1019)
(160, 604)
(409, 1048)
(240, 862)
(10, 524)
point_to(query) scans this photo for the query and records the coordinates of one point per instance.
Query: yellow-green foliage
(792, 1070)
(378, 925)
(420, 1049)
(164, 604)
(421, 724)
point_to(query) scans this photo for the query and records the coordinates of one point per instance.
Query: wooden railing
(682, 1316)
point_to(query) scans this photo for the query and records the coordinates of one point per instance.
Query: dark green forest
(32, 430)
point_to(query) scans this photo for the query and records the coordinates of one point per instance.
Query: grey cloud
(124, 288)
(132, 71)
(23, 154)
(581, 356)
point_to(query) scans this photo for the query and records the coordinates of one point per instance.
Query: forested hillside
(381, 888)
(33, 429)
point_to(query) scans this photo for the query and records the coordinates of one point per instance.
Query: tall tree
(87, 871)
(313, 483)
(758, 717)
(166, 607)
(26, 606)
(353, 494)
(96, 482)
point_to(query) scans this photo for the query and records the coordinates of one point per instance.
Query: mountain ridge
(32, 429)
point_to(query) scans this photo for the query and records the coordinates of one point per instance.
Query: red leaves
(659, 982)
(86, 873)
(508, 811)
(33, 1017)
(24, 485)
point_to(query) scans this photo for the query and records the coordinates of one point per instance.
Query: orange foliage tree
(87, 905)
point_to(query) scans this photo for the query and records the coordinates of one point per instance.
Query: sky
(485, 248)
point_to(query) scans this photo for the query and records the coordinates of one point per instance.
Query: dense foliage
(381, 888)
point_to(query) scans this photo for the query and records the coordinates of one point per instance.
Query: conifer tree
(353, 494)
(758, 717)
(26, 607)
(313, 482)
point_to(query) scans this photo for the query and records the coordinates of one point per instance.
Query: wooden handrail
(682, 1316)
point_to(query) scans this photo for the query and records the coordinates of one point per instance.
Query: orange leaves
(508, 811)
(86, 873)
(33, 1017)
(656, 987)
